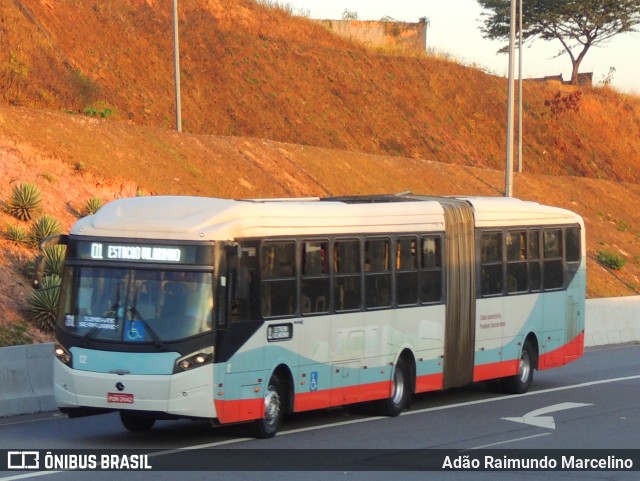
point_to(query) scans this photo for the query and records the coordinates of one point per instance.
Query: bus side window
(533, 255)
(314, 282)
(407, 271)
(377, 273)
(516, 247)
(431, 269)
(553, 269)
(572, 239)
(278, 286)
(491, 281)
(244, 305)
(347, 275)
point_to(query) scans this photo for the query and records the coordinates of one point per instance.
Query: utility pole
(176, 56)
(508, 191)
(520, 161)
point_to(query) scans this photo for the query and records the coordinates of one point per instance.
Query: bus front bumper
(186, 394)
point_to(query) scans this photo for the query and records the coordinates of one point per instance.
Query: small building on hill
(585, 79)
(400, 35)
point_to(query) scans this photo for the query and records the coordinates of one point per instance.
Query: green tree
(349, 15)
(577, 24)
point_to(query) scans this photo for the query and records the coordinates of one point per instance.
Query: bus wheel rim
(525, 367)
(271, 406)
(398, 387)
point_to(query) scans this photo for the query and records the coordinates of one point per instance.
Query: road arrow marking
(536, 418)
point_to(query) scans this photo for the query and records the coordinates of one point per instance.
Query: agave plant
(25, 201)
(92, 205)
(44, 227)
(54, 259)
(43, 303)
(17, 234)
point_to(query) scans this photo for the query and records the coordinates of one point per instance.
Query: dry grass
(161, 161)
(277, 106)
(251, 70)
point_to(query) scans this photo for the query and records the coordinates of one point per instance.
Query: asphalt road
(592, 404)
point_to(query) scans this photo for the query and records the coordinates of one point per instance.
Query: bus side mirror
(38, 272)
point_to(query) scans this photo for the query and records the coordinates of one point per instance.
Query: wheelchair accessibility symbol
(313, 384)
(134, 331)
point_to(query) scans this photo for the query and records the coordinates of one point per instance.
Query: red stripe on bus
(307, 401)
(233, 411)
(495, 370)
(430, 382)
(564, 354)
(368, 392)
(238, 410)
(558, 357)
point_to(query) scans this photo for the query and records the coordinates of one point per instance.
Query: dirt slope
(274, 105)
(157, 161)
(252, 71)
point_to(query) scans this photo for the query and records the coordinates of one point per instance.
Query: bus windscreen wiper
(88, 335)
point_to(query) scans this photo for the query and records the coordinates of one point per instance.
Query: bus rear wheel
(521, 382)
(267, 426)
(400, 392)
(135, 422)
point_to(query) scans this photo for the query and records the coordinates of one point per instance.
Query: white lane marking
(516, 396)
(508, 441)
(37, 419)
(30, 475)
(356, 421)
(536, 418)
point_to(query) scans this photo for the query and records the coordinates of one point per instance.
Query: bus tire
(267, 426)
(136, 422)
(400, 392)
(521, 382)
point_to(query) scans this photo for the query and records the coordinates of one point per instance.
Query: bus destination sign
(112, 250)
(101, 251)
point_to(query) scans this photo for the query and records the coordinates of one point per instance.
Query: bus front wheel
(135, 422)
(268, 426)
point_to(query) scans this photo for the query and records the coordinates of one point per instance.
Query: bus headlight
(197, 359)
(62, 355)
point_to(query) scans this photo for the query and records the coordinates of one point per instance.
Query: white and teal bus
(245, 310)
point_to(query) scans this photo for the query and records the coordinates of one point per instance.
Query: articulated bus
(241, 311)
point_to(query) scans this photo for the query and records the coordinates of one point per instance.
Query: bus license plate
(119, 398)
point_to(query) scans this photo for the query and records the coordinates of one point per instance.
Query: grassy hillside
(122, 160)
(273, 106)
(249, 70)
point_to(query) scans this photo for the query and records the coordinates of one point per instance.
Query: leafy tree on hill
(349, 15)
(577, 24)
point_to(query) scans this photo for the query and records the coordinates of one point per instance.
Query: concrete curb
(26, 372)
(614, 320)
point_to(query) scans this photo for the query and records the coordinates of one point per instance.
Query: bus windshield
(136, 305)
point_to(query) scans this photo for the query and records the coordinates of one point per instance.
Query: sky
(454, 32)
